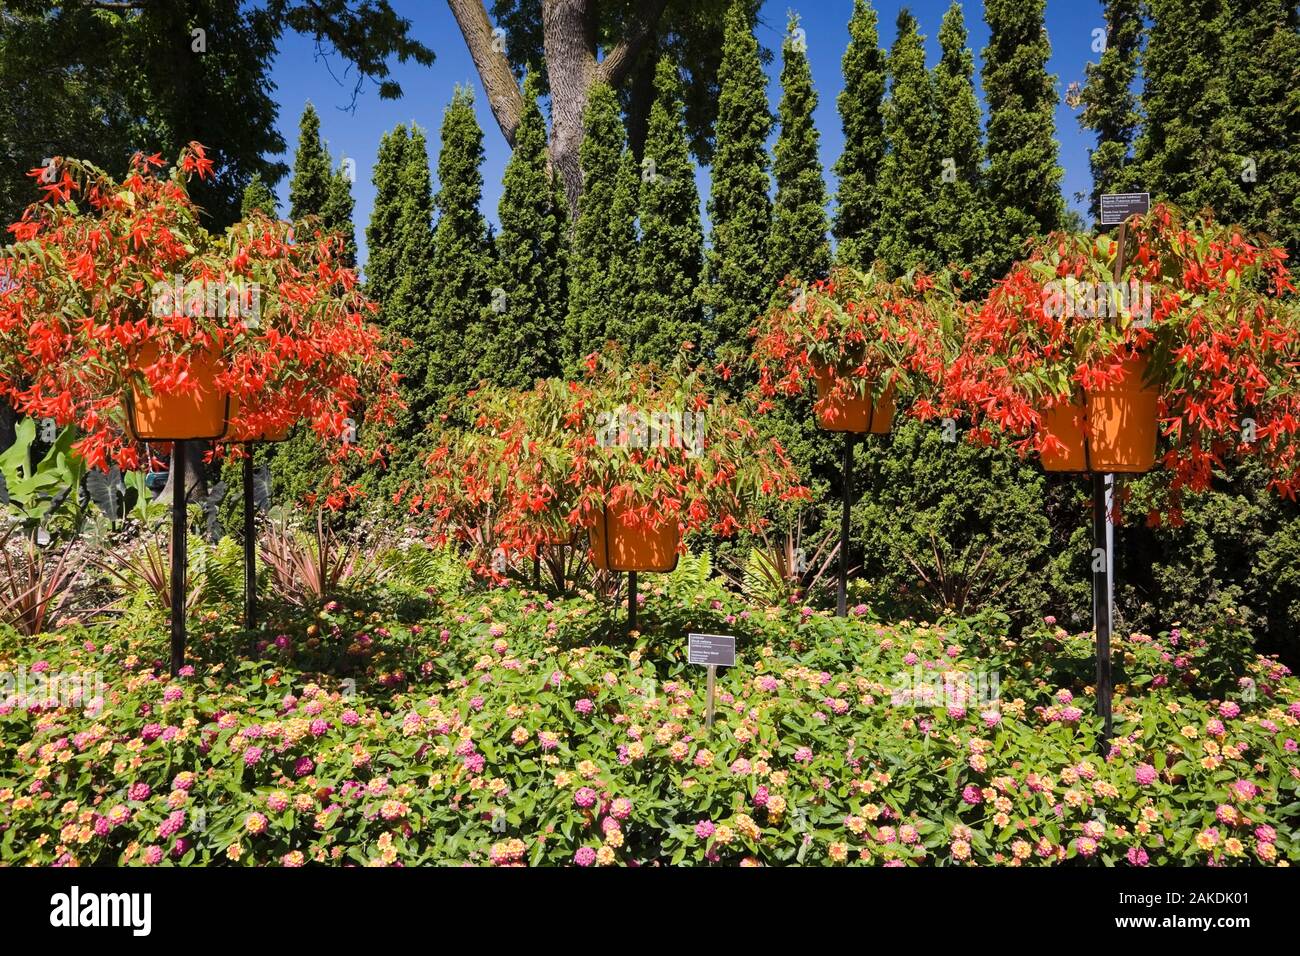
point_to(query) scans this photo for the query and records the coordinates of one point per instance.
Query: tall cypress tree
(383, 261)
(525, 319)
(740, 278)
(258, 196)
(861, 107)
(1110, 105)
(309, 189)
(602, 260)
(671, 254)
(798, 245)
(912, 168)
(1024, 173)
(462, 252)
(961, 213)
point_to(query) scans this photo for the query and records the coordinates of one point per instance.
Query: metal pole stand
(709, 687)
(842, 598)
(250, 545)
(1103, 540)
(631, 601)
(179, 557)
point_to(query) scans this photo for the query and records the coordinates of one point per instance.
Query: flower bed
(504, 737)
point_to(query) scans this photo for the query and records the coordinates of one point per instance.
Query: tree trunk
(569, 43)
(641, 97)
(196, 480)
(493, 68)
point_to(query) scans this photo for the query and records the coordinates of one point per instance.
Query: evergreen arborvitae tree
(602, 259)
(1220, 93)
(462, 251)
(318, 190)
(309, 189)
(740, 278)
(961, 213)
(1185, 151)
(525, 318)
(1024, 174)
(1263, 70)
(258, 196)
(337, 214)
(408, 310)
(910, 179)
(671, 254)
(383, 261)
(861, 104)
(1110, 105)
(798, 245)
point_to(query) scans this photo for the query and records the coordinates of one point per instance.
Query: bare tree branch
(619, 61)
(503, 93)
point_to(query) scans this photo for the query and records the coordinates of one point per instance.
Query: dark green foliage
(1110, 104)
(1263, 68)
(740, 278)
(101, 80)
(861, 107)
(1024, 173)
(1237, 545)
(910, 177)
(948, 526)
(603, 257)
(1222, 103)
(798, 245)
(670, 259)
(1187, 149)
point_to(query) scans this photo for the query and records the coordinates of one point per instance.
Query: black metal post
(178, 594)
(842, 601)
(631, 600)
(1101, 608)
(1103, 541)
(250, 544)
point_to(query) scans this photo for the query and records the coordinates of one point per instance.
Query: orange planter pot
(855, 414)
(278, 434)
(556, 539)
(618, 546)
(200, 414)
(1121, 427)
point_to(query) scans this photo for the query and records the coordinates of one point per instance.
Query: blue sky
(300, 74)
